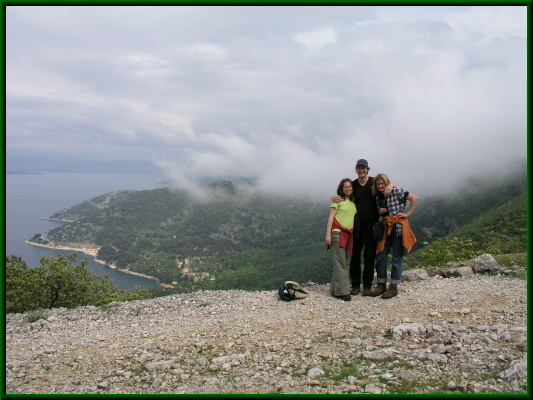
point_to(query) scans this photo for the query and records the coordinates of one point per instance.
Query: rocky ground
(464, 334)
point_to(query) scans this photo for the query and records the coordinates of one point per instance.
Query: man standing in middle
(363, 239)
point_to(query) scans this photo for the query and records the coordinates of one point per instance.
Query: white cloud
(180, 178)
(496, 21)
(143, 60)
(317, 38)
(293, 96)
(370, 45)
(208, 51)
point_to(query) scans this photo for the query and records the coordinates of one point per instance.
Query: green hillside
(501, 230)
(236, 238)
(438, 216)
(239, 238)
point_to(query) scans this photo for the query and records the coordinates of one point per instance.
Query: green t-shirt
(345, 213)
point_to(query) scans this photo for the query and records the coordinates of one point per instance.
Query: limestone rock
(517, 370)
(433, 271)
(315, 372)
(486, 263)
(412, 275)
(458, 272)
(410, 329)
(159, 365)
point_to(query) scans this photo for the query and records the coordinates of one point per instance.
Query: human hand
(336, 199)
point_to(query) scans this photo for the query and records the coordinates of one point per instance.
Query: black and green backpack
(291, 290)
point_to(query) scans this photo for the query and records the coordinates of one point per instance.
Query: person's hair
(340, 192)
(381, 177)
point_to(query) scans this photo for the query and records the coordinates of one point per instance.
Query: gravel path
(439, 335)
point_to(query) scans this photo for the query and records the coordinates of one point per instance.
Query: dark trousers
(369, 256)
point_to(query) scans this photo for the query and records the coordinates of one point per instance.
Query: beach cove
(92, 250)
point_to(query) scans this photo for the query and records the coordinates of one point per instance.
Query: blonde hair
(381, 177)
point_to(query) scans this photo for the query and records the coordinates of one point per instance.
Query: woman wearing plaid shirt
(396, 234)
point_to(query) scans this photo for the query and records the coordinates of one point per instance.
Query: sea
(31, 197)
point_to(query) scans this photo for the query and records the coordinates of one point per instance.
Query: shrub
(58, 282)
(445, 250)
(35, 315)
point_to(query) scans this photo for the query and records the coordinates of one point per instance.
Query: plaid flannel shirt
(395, 204)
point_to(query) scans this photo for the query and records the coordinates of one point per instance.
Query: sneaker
(367, 291)
(355, 291)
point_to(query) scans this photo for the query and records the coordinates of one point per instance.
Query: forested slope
(502, 230)
(439, 215)
(235, 234)
(240, 238)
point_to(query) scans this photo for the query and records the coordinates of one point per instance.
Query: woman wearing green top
(339, 239)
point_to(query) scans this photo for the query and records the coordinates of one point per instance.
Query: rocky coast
(463, 331)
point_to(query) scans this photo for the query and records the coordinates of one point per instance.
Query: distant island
(21, 172)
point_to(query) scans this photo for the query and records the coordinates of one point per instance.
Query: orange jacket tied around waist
(346, 236)
(408, 237)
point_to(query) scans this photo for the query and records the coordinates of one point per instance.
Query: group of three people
(353, 211)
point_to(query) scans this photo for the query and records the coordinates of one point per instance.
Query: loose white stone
(175, 345)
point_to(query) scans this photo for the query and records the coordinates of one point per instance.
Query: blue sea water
(34, 196)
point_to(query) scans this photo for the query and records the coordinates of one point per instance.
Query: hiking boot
(355, 291)
(367, 291)
(379, 289)
(345, 297)
(391, 291)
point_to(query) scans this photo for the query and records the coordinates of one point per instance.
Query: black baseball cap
(362, 161)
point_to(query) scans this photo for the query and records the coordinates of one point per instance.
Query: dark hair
(340, 192)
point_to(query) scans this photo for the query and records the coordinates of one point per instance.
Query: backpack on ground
(291, 290)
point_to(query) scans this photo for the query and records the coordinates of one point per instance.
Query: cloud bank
(290, 95)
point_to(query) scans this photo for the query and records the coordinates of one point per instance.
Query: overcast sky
(291, 95)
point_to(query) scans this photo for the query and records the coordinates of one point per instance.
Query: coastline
(58, 220)
(93, 251)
